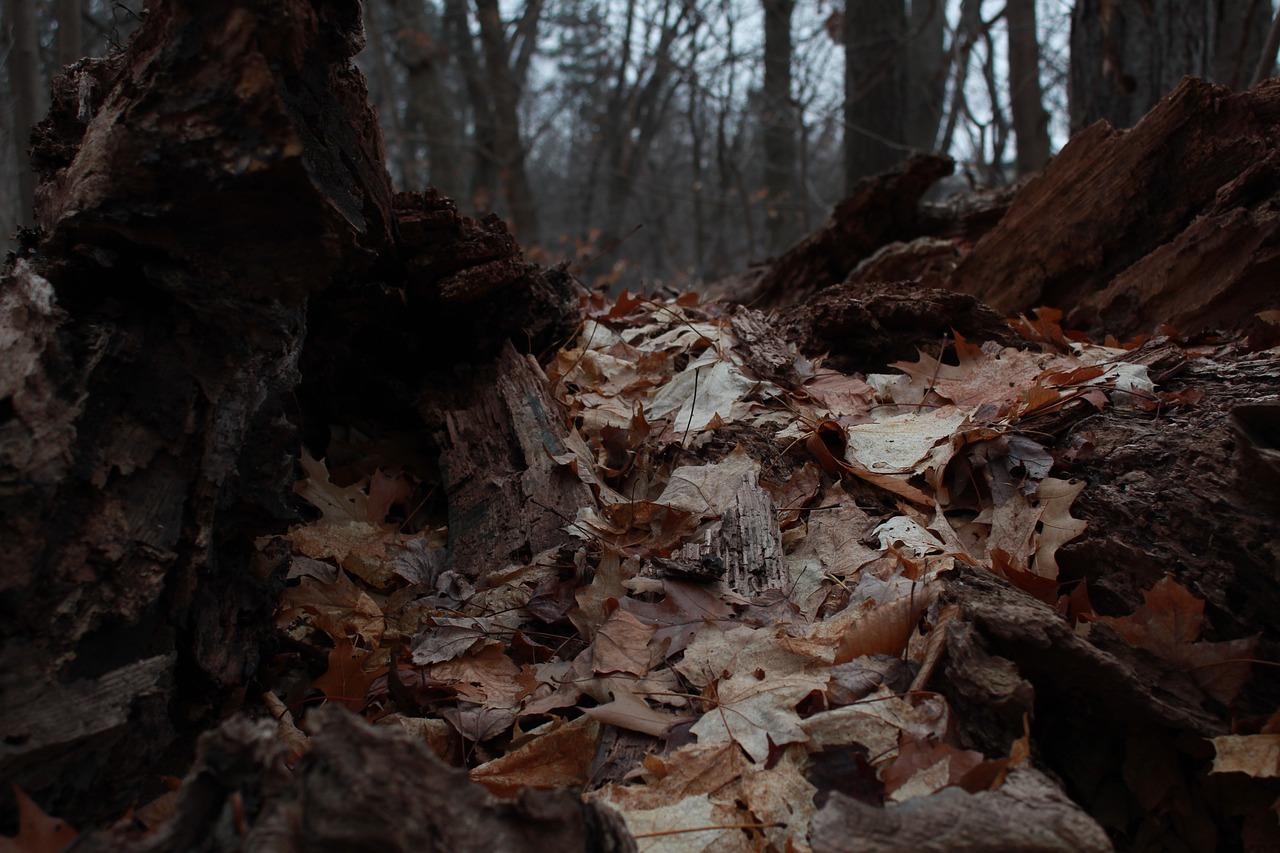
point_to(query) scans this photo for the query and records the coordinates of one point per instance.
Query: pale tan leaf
(1255, 755)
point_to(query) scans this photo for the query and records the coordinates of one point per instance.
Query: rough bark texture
(866, 326)
(1098, 231)
(1028, 813)
(226, 274)
(357, 788)
(153, 378)
(508, 498)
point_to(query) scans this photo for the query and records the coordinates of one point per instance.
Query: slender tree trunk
(70, 41)
(483, 172)
(873, 33)
(967, 32)
(508, 146)
(926, 73)
(779, 126)
(1030, 121)
(23, 65)
(429, 110)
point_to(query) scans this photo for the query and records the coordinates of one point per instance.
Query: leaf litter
(753, 692)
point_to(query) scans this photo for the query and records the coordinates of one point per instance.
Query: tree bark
(1030, 120)
(508, 147)
(779, 120)
(873, 42)
(1126, 55)
(70, 40)
(1098, 231)
(22, 63)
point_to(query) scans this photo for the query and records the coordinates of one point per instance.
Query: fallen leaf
(1168, 624)
(37, 831)
(622, 645)
(684, 609)
(629, 711)
(340, 609)
(345, 682)
(1255, 755)
(557, 755)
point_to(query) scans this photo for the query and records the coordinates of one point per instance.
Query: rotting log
(220, 271)
(881, 209)
(161, 311)
(1168, 222)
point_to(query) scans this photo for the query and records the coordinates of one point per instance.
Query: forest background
(671, 142)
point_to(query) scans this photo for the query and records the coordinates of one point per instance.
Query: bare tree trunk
(1030, 121)
(1242, 31)
(967, 32)
(1128, 54)
(508, 146)
(636, 112)
(926, 73)
(873, 34)
(483, 172)
(779, 126)
(70, 40)
(23, 65)
(430, 116)
(1267, 59)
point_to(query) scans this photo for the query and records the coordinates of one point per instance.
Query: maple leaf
(753, 684)
(627, 710)
(337, 504)
(37, 831)
(446, 638)
(345, 681)
(340, 609)
(683, 611)
(1168, 624)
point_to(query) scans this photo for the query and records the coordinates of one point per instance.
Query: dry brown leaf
(622, 645)
(345, 681)
(340, 609)
(685, 608)
(487, 676)
(37, 831)
(557, 755)
(296, 742)
(886, 628)
(1168, 625)
(1057, 527)
(629, 711)
(440, 737)
(357, 546)
(338, 504)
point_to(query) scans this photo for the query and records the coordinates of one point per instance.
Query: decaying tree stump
(156, 326)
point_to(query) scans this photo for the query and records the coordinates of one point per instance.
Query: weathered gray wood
(508, 499)
(1029, 813)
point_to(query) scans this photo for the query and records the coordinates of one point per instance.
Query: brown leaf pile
(731, 630)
